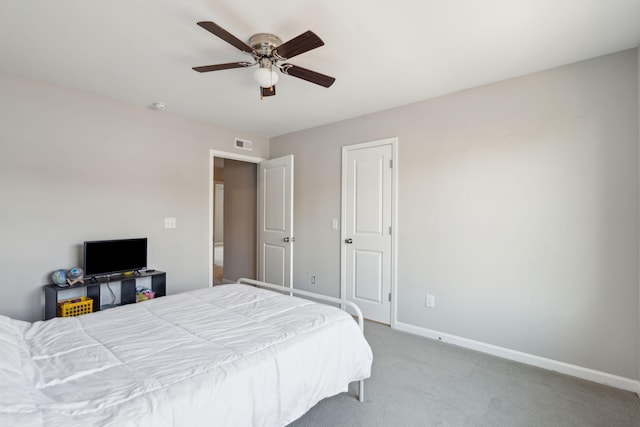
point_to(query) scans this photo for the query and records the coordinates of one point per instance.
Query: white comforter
(231, 355)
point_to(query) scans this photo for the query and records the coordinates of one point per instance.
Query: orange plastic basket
(75, 306)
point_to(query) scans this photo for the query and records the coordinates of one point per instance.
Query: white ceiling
(383, 53)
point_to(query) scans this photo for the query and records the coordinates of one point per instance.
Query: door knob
(289, 239)
(348, 241)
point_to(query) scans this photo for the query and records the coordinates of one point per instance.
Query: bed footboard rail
(343, 304)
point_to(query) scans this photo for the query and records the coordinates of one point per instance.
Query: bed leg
(361, 391)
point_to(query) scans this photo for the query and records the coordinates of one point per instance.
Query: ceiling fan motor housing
(264, 43)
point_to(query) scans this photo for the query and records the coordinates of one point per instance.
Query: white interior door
(367, 238)
(275, 221)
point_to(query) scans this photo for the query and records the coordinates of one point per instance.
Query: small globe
(59, 277)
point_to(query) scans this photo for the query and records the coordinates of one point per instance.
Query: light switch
(430, 301)
(169, 223)
(334, 224)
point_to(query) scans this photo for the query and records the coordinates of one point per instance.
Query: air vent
(243, 144)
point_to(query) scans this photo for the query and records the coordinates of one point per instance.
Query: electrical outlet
(313, 280)
(169, 223)
(430, 301)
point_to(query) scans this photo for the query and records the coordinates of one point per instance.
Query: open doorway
(218, 221)
(233, 217)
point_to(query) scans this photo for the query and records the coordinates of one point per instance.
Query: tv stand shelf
(127, 290)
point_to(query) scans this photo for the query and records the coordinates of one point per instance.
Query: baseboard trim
(529, 359)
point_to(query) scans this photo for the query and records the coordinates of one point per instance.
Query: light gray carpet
(420, 382)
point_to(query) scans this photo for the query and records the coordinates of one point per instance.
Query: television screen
(103, 257)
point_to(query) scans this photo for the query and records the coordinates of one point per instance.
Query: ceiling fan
(268, 53)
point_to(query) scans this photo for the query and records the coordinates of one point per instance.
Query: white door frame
(394, 220)
(223, 155)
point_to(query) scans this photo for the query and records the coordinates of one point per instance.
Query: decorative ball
(59, 277)
(75, 273)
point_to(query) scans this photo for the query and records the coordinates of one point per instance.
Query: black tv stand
(92, 285)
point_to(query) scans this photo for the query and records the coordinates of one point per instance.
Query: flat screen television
(102, 257)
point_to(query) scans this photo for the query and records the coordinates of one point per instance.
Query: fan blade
(297, 45)
(308, 75)
(217, 67)
(217, 30)
(267, 91)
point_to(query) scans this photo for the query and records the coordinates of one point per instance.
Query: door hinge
(390, 230)
(391, 163)
(389, 296)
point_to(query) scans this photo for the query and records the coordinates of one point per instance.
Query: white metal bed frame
(343, 304)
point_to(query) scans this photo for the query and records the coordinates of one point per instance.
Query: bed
(232, 355)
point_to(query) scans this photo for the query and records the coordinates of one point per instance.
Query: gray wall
(518, 209)
(75, 167)
(240, 213)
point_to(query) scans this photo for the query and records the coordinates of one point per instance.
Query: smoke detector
(160, 106)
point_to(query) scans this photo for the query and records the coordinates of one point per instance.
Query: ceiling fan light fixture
(266, 77)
